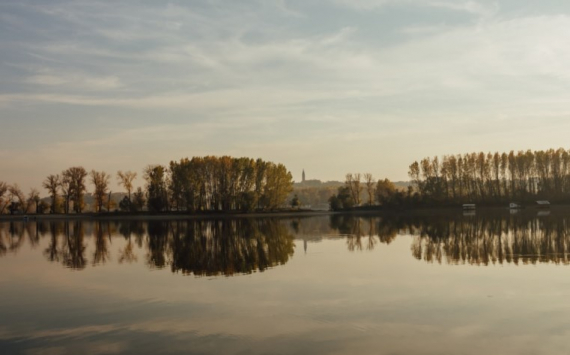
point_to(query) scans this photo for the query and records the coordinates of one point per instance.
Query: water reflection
(205, 247)
(241, 246)
(344, 296)
(364, 232)
(458, 239)
(228, 247)
(490, 239)
(72, 246)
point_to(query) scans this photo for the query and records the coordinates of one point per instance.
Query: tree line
(363, 191)
(67, 190)
(218, 184)
(485, 178)
(493, 178)
(199, 184)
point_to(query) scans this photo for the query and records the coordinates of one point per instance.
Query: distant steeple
(303, 175)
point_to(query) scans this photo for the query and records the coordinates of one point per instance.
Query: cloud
(71, 80)
(364, 4)
(469, 58)
(481, 8)
(284, 8)
(474, 7)
(273, 67)
(46, 80)
(60, 333)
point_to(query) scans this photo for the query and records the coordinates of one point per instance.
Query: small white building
(514, 205)
(469, 206)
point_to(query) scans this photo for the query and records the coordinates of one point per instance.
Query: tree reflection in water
(241, 246)
(456, 239)
(102, 233)
(486, 239)
(229, 246)
(356, 228)
(127, 230)
(72, 250)
(53, 252)
(199, 247)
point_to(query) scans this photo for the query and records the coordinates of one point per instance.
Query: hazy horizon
(330, 87)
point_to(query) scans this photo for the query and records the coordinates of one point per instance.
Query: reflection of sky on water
(329, 300)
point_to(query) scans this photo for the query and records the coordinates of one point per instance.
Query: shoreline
(434, 211)
(163, 216)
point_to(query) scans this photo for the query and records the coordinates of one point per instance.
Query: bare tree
(52, 184)
(126, 180)
(369, 180)
(100, 181)
(16, 193)
(76, 176)
(33, 199)
(353, 183)
(110, 202)
(64, 184)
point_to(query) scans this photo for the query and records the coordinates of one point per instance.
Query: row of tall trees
(218, 184)
(493, 177)
(70, 186)
(67, 190)
(199, 184)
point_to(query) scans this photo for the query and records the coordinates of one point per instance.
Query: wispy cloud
(486, 9)
(71, 80)
(279, 65)
(482, 8)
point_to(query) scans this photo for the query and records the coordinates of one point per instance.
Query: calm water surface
(450, 284)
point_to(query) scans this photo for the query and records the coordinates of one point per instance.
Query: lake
(340, 284)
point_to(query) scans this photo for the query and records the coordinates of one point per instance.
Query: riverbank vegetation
(482, 178)
(498, 178)
(365, 194)
(200, 184)
(226, 184)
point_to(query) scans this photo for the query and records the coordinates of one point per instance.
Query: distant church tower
(303, 175)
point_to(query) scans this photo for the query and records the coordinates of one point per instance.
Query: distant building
(303, 178)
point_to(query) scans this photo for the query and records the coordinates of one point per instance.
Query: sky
(330, 87)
